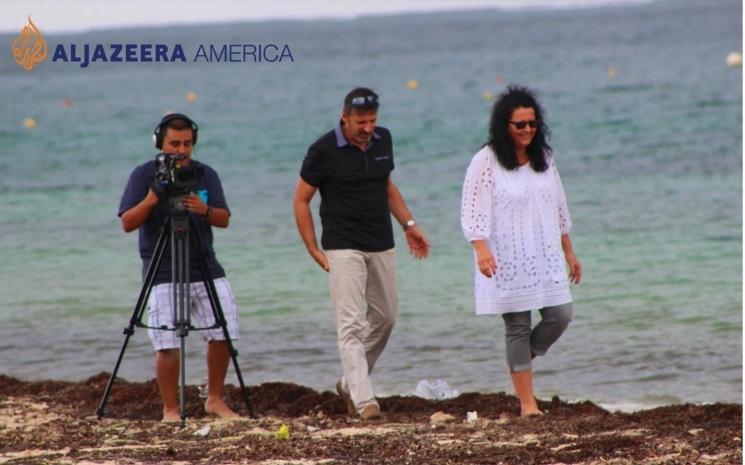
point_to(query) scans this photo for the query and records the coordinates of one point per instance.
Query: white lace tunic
(522, 215)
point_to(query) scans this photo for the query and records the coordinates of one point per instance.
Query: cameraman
(145, 206)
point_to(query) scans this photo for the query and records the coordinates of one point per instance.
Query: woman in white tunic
(514, 214)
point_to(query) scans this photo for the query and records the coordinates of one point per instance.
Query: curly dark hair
(499, 139)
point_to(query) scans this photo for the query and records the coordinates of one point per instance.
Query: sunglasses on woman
(521, 124)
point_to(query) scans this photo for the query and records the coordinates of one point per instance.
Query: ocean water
(647, 129)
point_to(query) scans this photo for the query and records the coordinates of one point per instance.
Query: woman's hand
(484, 259)
(575, 268)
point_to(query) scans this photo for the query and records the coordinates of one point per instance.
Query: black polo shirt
(354, 190)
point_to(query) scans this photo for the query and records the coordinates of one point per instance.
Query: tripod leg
(209, 285)
(136, 315)
(182, 392)
(181, 300)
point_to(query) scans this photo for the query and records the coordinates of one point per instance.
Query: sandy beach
(54, 422)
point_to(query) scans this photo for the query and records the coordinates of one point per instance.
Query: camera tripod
(177, 227)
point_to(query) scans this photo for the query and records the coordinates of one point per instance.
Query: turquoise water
(651, 160)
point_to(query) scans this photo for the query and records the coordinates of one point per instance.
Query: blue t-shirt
(137, 188)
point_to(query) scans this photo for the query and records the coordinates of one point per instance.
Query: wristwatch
(409, 224)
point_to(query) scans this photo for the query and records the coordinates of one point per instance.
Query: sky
(60, 16)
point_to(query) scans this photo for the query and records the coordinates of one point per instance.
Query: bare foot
(218, 408)
(529, 408)
(171, 415)
(529, 412)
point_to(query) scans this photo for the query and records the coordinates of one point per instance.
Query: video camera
(176, 178)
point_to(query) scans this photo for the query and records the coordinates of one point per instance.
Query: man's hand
(138, 215)
(193, 204)
(158, 190)
(418, 242)
(320, 257)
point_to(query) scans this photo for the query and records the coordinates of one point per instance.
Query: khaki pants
(365, 303)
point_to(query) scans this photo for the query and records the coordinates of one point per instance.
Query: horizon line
(539, 7)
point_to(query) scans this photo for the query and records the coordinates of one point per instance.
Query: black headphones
(160, 128)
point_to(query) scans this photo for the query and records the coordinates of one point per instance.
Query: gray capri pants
(523, 343)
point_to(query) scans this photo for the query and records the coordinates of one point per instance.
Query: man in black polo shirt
(351, 166)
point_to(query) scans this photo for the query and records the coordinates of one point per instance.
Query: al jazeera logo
(29, 48)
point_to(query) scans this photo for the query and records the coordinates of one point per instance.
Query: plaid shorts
(161, 313)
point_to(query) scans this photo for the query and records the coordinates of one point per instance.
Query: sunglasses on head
(521, 124)
(364, 100)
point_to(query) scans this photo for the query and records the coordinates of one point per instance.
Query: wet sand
(54, 422)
